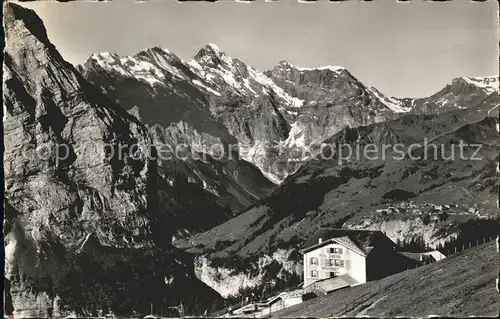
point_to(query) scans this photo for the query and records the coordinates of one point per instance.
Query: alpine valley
(224, 215)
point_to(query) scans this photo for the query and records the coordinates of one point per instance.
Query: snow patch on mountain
(488, 83)
(134, 68)
(267, 82)
(198, 83)
(160, 60)
(224, 70)
(296, 138)
(333, 68)
(200, 71)
(393, 104)
(230, 80)
(215, 55)
(252, 154)
(214, 64)
(246, 82)
(321, 68)
(215, 47)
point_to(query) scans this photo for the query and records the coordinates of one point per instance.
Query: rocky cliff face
(81, 193)
(333, 100)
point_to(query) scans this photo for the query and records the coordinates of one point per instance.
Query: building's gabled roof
(411, 255)
(291, 294)
(283, 295)
(349, 244)
(435, 254)
(360, 241)
(331, 284)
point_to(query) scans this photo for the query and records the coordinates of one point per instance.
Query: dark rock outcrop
(83, 233)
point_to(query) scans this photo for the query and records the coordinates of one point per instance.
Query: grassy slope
(461, 285)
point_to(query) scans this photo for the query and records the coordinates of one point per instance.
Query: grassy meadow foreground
(462, 285)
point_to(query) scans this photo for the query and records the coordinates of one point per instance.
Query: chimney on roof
(320, 240)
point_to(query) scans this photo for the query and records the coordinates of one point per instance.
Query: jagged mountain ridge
(274, 115)
(219, 85)
(89, 219)
(175, 113)
(463, 92)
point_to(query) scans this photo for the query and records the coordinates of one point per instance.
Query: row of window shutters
(327, 262)
(331, 274)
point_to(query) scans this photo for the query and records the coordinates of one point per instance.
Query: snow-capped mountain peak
(291, 106)
(129, 66)
(158, 51)
(216, 68)
(214, 47)
(152, 65)
(211, 49)
(326, 67)
(287, 65)
(165, 60)
(211, 55)
(104, 58)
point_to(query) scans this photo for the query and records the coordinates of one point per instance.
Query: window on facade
(335, 251)
(314, 274)
(339, 262)
(332, 274)
(314, 261)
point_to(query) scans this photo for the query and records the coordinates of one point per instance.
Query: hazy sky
(404, 49)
